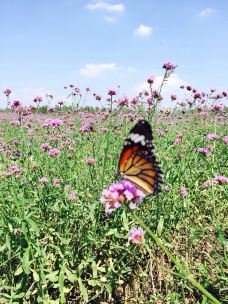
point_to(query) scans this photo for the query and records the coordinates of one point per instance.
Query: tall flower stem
(181, 269)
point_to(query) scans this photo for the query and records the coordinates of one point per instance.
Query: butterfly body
(137, 162)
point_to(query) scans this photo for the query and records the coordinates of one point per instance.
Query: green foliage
(57, 250)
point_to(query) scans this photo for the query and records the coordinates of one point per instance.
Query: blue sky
(46, 44)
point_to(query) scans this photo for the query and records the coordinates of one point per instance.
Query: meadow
(58, 244)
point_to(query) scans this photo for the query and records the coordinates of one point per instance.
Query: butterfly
(137, 162)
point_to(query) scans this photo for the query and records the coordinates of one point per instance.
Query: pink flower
(225, 140)
(7, 92)
(188, 88)
(57, 182)
(221, 179)
(112, 92)
(136, 235)
(73, 196)
(44, 147)
(179, 139)
(14, 170)
(213, 90)
(123, 102)
(212, 136)
(208, 184)
(38, 99)
(104, 130)
(203, 151)
(218, 107)
(53, 122)
(151, 79)
(118, 193)
(61, 102)
(173, 97)
(90, 161)
(224, 94)
(16, 104)
(53, 152)
(85, 128)
(44, 180)
(169, 66)
(182, 191)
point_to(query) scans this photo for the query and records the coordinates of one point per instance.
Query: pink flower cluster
(7, 92)
(136, 235)
(179, 139)
(169, 66)
(53, 122)
(218, 179)
(120, 192)
(14, 170)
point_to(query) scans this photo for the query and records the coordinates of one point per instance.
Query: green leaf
(18, 271)
(83, 290)
(25, 261)
(53, 276)
(35, 276)
(160, 226)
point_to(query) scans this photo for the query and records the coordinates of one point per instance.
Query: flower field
(59, 242)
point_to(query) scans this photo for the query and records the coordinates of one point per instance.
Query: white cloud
(110, 19)
(117, 8)
(171, 86)
(207, 12)
(143, 31)
(93, 70)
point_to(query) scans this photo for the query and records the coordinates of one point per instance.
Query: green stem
(178, 265)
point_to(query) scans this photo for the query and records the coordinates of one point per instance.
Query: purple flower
(85, 128)
(16, 104)
(208, 184)
(218, 107)
(179, 139)
(212, 136)
(118, 193)
(173, 97)
(53, 152)
(136, 235)
(73, 196)
(182, 191)
(221, 179)
(123, 102)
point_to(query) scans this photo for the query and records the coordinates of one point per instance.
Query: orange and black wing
(137, 161)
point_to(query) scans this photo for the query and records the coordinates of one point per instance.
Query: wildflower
(53, 122)
(179, 139)
(123, 102)
(57, 182)
(213, 90)
(173, 97)
(225, 140)
(14, 170)
(169, 66)
(16, 104)
(53, 152)
(136, 235)
(118, 193)
(218, 107)
(61, 102)
(38, 99)
(112, 92)
(7, 92)
(224, 94)
(104, 130)
(188, 88)
(212, 136)
(32, 107)
(44, 147)
(203, 151)
(221, 179)
(182, 191)
(208, 184)
(85, 128)
(151, 79)
(43, 180)
(87, 89)
(73, 196)
(98, 97)
(182, 86)
(90, 161)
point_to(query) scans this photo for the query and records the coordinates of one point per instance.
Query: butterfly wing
(137, 161)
